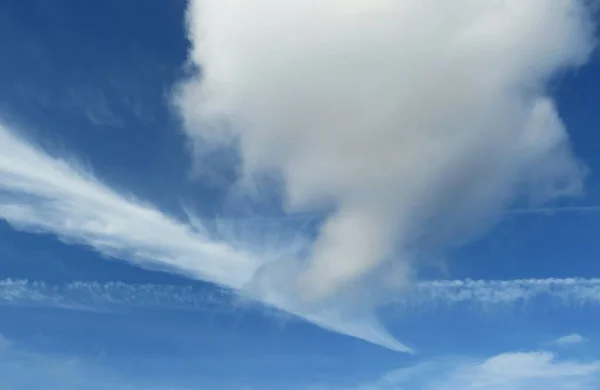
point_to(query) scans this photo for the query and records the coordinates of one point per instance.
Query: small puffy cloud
(571, 339)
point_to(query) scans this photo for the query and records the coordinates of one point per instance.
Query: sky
(299, 194)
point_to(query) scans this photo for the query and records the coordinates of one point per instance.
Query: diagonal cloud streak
(41, 193)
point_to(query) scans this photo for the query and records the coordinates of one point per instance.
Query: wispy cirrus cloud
(42, 193)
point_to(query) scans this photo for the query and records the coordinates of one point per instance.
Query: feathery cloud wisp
(420, 121)
(41, 193)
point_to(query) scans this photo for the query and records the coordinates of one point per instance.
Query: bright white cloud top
(417, 121)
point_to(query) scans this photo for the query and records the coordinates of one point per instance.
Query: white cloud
(99, 296)
(561, 293)
(418, 121)
(571, 339)
(41, 193)
(493, 292)
(96, 296)
(538, 370)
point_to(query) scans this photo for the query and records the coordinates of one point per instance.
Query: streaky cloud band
(41, 193)
(497, 292)
(95, 295)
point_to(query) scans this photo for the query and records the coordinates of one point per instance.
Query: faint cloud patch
(572, 339)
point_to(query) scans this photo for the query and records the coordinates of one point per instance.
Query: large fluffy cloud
(418, 121)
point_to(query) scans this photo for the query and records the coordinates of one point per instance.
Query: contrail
(114, 295)
(486, 293)
(418, 121)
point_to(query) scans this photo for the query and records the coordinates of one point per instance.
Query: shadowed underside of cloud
(419, 121)
(40, 193)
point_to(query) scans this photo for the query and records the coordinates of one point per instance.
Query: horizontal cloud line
(490, 292)
(112, 295)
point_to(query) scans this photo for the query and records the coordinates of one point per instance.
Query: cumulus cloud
(42, 193)
(416, 121)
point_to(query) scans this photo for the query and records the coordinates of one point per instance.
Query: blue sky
(189, 200)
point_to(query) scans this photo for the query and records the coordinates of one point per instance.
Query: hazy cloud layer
(417, 121)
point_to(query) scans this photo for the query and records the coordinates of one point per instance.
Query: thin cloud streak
(500, 292)
(95, 295)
